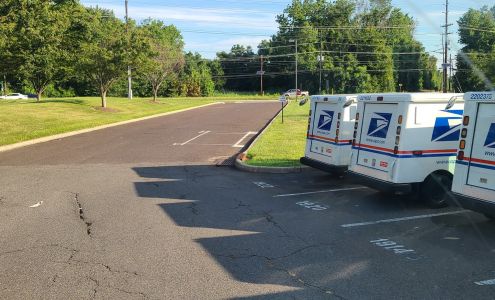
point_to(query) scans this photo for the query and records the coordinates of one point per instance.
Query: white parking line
(319, 192)
(236, 145)
(201, 133)
(404, 219)
(486, 282)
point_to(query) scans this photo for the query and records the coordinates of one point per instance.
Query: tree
(103, 56)
(36, 46)
(476, 60)
(166, 55)
(196, 79)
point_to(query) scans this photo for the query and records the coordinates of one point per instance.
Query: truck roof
(333, 98)
(410, 97)
(479, 96)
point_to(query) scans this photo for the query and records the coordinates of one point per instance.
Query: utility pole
(446, 47)
(321, 60)
(451, 84)
(291, 41)
(261, 77)
(129, 74)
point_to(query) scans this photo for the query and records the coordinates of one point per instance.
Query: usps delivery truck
(474, 178)
(406, 143)
(330, 128)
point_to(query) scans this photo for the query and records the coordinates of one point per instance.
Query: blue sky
(212, 26)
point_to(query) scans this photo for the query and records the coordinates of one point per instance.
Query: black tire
(490, 216)
(436, 189)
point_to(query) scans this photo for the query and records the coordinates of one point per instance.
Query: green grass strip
(282, 144)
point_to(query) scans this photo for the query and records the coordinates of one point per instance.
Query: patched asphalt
(131, 213)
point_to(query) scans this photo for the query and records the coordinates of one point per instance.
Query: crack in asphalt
(194, 208)
(95, 289)
(271, 263)
(242, 205)
(270, 219)
(300, 280)
(129, 292)
(36, 247)
(81, 214)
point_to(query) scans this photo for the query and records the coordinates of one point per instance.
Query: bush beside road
(23, 120)
(282, 145)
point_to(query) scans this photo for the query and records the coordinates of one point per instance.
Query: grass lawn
(22, 120)
(282, 144)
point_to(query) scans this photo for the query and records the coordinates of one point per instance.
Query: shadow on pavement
(259, 239)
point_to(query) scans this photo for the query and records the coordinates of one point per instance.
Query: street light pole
(129, 74)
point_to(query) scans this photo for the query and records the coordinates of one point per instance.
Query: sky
(215, 25)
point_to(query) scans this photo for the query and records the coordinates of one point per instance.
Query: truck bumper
(384, 186)
(322, 166)
(474, 204)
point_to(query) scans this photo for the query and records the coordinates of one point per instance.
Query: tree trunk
(155, 94)
(103, 95)
(38, 96)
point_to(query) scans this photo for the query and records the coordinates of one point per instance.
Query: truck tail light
(396, 150)
(462, 144)
(399, 121)
(464, 133)
(460, 155)
(339, 116)
(357, 116)
(398, 130)
(397, 140)
(337, 133)
(354, 142)
(338, 124)
(465, 121)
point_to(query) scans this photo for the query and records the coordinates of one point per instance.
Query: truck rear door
(481, 172)
(377, 139)
(324, 127)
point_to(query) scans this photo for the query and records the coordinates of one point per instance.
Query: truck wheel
(490, 216)
(435, 190)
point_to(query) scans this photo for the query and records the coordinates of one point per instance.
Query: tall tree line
(61, 48)
(476, 60)
(365, 46)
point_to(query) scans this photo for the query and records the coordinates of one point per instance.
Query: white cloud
(236, 18)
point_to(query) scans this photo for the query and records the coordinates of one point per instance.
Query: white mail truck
(330, 128)
(406, 143)
(474, 178)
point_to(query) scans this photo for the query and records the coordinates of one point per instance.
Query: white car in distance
(14, 96)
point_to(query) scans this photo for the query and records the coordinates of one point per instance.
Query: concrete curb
(242, 166)
(77, 132)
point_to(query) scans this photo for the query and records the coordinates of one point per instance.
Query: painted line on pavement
(486, 282)
(237, 144)
(403, 219)
(319, 192)
(201, 133)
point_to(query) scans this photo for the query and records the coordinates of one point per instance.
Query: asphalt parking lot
(142, 212)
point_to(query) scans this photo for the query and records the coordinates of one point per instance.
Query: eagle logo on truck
(448, 129)
(490, 139)
(325, 121)
(379, 125)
